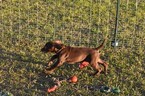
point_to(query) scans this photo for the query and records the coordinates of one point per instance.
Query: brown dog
(72, 55)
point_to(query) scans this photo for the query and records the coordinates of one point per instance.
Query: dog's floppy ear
(58, 42)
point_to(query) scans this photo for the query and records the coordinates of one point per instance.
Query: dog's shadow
(43, 81)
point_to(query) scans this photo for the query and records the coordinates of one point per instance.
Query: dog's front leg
(51, 59)
(53, 67)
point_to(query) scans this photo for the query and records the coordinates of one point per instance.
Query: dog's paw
(50, 63)
(106, 73)
(48, 71)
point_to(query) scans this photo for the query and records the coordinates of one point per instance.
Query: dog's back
(76, 54)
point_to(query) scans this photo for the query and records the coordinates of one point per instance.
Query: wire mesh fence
(26, 25)
(81, 22)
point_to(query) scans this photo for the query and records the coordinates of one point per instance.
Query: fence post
(115, 42)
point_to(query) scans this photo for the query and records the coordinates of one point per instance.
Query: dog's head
(53, 47)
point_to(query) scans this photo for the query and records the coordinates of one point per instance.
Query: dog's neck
(60, 49)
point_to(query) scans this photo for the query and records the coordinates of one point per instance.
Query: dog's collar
(61, 49)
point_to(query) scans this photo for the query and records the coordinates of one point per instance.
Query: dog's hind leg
(105, 65)
(97, 68)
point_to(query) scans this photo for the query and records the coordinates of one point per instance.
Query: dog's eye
(47, 47)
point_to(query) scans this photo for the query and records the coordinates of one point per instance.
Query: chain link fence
(79, 23)
(26, 25)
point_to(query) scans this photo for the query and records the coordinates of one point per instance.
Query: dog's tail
(101, 46)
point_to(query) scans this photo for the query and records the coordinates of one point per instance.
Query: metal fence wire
(75, 22)
(26, 25)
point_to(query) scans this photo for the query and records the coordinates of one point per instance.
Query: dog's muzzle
(43, 50)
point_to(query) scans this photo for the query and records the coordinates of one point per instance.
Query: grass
(26, 25)
(22, 73)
